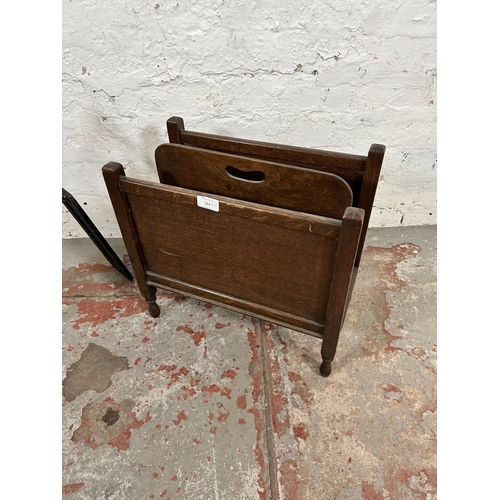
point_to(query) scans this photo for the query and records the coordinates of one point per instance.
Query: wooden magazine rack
(272, 231)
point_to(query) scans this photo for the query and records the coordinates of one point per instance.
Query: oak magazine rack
(269, 230)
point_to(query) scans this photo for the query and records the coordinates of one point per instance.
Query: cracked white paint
(336, 76)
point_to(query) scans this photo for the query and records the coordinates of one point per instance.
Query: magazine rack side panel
(268, 260)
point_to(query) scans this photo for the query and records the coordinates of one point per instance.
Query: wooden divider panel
(249, 179)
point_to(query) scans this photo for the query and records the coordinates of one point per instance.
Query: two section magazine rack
(272, 231)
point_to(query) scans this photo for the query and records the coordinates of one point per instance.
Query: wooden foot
(154, 309)
(326, 368)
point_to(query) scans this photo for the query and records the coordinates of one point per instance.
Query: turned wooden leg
(154, 309)
(150, 295)
(326, 367)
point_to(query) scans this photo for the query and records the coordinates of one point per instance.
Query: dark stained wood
(93, 233)
(282, 242)
(187, 198)
(263, 182)
(349, 167)
(350, 232)
(263, 255)
(291, 155)
(237, 304)
(112, 173)
(360, 172)
(175, 126)
(280, 265)
(154, 309)
(368, 190)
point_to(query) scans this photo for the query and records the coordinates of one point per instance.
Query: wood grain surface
(274, 258)
(264, 182)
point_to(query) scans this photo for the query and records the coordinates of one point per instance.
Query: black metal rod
(93, 233)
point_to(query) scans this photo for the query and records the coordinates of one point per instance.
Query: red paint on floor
(368, 492)
(290, 480)
(148, 324)
(98, 311)
(189, 392)
(390, 388)
(212, 389)
(180, 417)
(300, 388)
(279, 401)
(183, 372)
(222, 416)
(167, 368)
(229, 374)
(91, 279)
(72, 488)
(94, 432)
(300, 431)
(258, 420)
(401, 482)
(196, 336)
(383, 263)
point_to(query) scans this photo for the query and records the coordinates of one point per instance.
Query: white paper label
(208, 203)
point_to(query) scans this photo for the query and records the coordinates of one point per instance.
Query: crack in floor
(268, 418)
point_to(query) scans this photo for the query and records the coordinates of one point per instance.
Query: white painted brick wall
(332, 75)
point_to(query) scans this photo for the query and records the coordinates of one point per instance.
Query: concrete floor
(205, 403)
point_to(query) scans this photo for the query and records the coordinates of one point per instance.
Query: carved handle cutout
(246, 176)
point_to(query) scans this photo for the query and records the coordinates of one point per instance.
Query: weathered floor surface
(204, 403)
